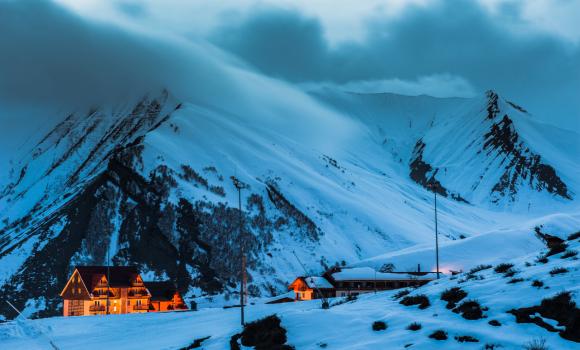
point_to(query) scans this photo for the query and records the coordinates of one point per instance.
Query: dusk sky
(526, 50)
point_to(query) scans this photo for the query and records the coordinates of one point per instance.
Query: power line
(52, 344)
(325, 304)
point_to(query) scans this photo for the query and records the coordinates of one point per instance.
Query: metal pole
(436, 235)
(108, 278)
(239, 187)
(242, 289)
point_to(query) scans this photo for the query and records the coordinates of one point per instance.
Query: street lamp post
(433, 186)
(239, 186)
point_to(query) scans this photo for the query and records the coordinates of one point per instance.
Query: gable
(298, 284)
(75, 288)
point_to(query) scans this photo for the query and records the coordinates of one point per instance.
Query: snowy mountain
(134, 159)
(339, 179)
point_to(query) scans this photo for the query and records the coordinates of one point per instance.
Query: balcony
(102, 293)
(95, 308)
(137, 293)
(141, 307)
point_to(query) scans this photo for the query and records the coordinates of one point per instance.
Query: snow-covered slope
(149, 184)
(334, 177)
(473, 149)
(348, 325)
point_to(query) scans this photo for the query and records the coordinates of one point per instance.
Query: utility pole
(433, 186)
(108, 279)
(239, 186)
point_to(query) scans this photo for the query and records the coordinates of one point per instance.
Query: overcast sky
(529, 51)
(60, 51)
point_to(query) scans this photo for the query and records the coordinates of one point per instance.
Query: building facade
(98, 290)
(308, 288)
(354, 281)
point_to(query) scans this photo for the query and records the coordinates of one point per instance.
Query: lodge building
(91, 288)
(353, 281)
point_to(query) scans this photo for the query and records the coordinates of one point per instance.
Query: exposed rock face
(424, 174)
(521, 165)
(499, 160)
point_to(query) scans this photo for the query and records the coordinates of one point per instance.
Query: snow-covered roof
(367, 273)
(289, 295)
(317, 282)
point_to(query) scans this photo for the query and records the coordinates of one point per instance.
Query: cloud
(54, 62)
(437, 85)
(459, 38)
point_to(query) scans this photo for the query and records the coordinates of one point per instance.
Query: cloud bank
(54, 62)
(449, 38)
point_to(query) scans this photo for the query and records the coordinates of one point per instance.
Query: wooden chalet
(96, 290)
(164, 296)
(353, 281)
(314, 287)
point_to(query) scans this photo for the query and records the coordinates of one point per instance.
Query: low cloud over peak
(459, 39)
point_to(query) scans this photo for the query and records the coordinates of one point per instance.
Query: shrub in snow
(351, 297)
(420, 300)
(415, 326)
(542, 259)
(196, 344)
(560, 308)
(218, 190)
(510, 273)
(452, 296)
(265, 334)
(536, 344)
(388, 267)
(491, 346)
(569, 254)
(574, 236)
(537, 284)
(466, 339)
(503, 268)
(470, 310)
(401, 294)
(379, 326)
(558, 270)
(494, 323)
(470, 276)
(557, 249)
(479, 268)
(439, 335)
(516, 280)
